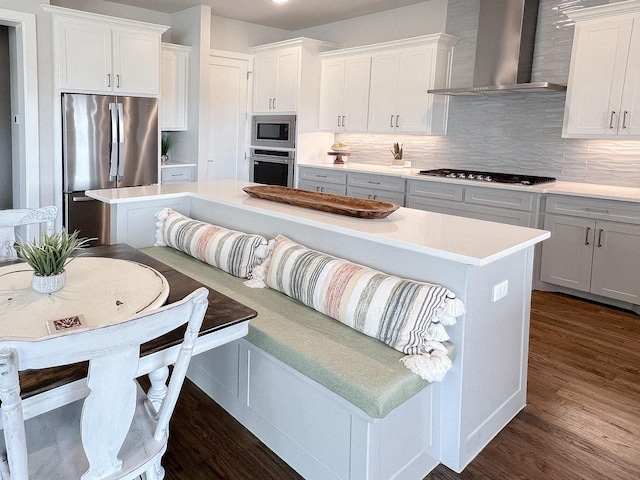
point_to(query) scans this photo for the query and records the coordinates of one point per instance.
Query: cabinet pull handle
(369, 197)
(270, 103)
(373, 183)
(109, 80)
(274, 103)
(397, 121)
(322, 189)
(611, 119)
(321, 176)
(586, 237)
(595, 210)
(339, 121)
(117, 81)
(344, 121)
(624, 119)
(600, 230)
(391, 121)
(375, 197)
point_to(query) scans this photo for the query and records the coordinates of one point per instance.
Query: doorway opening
(20, 86)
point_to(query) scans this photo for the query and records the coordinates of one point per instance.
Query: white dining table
(98, 291)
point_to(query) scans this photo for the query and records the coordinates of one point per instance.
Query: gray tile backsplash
(514, 133)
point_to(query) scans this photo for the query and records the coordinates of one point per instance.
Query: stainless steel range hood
(504, 50)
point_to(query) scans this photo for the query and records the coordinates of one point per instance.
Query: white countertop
(464, 240)
(606, 192)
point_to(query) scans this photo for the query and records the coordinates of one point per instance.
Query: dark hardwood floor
(582, 419)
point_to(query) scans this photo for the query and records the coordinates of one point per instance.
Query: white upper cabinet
(173, 92)
(276, 80)
(100, 54)
(603, 93)
(344, 95)
(395, 76)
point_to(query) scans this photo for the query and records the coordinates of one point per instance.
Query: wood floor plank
(581, 422)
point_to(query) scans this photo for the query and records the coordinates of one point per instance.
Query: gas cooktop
(487, 176)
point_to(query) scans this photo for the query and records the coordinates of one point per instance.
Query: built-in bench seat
(361, 369)
(330, 401)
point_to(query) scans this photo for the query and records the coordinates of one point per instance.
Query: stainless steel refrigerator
(107, 142)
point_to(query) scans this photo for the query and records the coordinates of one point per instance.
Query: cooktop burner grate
(487, 176)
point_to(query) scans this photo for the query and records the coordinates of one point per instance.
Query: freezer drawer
(89, 216)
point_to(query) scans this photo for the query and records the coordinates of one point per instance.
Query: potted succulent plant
(48, 256)
(397, 155)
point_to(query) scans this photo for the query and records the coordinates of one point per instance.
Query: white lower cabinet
(385, 188)
(483, 203)
(590, 253)
(322, 180)
(177, 174)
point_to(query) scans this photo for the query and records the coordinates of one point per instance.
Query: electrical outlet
(500, 290)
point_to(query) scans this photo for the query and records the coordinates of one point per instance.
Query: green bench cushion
(360, 369)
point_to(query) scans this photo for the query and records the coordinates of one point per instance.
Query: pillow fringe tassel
(432, 364)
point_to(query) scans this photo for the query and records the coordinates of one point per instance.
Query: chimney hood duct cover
(504, 50)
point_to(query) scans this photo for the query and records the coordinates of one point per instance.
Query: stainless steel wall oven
(272, 167)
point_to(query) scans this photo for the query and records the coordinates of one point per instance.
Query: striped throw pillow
(234, 252)
(406, 315)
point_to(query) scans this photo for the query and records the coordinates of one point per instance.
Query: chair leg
(158, 389)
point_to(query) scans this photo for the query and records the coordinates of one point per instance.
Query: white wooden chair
(10, 219)
(115, 432)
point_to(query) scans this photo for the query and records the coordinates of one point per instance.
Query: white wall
(116, 10)
(236, 36)
(412, 21)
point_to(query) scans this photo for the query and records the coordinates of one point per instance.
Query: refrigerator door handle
(113, 160)
(121, 145)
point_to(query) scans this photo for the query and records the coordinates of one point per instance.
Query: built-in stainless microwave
(273, 131)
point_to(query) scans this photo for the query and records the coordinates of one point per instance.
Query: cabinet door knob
(586, 237)
(613, 113)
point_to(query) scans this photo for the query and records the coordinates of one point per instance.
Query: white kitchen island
(487, 265)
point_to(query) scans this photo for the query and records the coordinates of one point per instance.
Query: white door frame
(24, 66)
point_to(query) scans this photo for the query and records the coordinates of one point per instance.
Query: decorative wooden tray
(326, 202)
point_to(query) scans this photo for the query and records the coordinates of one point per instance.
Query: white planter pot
(49, 284)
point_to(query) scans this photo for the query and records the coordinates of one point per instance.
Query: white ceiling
(293, 15)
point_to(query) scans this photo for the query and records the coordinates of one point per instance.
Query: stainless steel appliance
(272, 167)
(107, 142)
(487, 176)
(273, 131)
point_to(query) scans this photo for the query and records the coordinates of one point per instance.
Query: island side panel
(134, 222)
(487, 385)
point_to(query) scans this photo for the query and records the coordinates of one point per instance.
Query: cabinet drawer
(396, 198)
(443, 191)
(491, 214)
(176, 174)
(626, 212)
(494, 197)
(323, 175)
(380, 182)
(322, 187)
